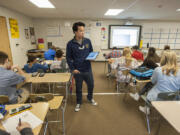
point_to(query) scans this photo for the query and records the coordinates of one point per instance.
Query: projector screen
(121, 36)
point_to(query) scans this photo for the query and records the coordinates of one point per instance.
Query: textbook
(92, 56)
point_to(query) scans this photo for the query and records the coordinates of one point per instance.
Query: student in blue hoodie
(50, 54)
(32, 65)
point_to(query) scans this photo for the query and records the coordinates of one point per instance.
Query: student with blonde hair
(126, 62)
(165, 78)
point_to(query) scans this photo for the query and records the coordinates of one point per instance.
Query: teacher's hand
(76, 71)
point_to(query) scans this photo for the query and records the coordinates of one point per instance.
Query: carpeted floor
(112, 116)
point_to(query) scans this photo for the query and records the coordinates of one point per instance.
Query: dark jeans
(88, 78)
(146, 88)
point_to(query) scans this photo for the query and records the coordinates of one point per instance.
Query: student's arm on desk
(15, 78)
(18, 78)
(43, 67)
(19, 70)
(3, 132)
(25, 129)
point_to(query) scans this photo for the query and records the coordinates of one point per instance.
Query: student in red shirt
(137, 54)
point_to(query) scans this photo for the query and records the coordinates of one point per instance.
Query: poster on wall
(26, 31)
(53, 31)
(32, 35)
(14, 28)
(103, 34)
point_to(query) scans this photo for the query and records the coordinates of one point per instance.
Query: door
(4, 38)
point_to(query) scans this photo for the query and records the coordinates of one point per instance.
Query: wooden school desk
(140, 82)
(170, 110)
(50, 78)
(38, 109)
(56, 104)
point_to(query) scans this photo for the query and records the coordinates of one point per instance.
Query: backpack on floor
(142, 73)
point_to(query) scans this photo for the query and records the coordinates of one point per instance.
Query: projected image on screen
(122, 36)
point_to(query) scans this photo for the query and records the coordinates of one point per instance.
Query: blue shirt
(76, 55)
(35, 68)
(9, 80)
(163, 83)
(50, 54)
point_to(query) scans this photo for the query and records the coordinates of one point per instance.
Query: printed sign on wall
(32, 35)
(14, 28)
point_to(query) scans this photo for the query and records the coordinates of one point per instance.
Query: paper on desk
(178, 102)
(11, 123)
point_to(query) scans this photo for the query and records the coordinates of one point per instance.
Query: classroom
(89, 67)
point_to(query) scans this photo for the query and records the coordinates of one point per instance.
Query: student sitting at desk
(137, 54)
(24, 129)
(50, 54)
(114, 54)
(151, 59)
(149, 62)
(33, 66)
(59, 64)
(166, 78)
(10, 79)
(123, 63)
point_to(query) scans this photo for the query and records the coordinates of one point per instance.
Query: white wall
(66, 33)
(24, 22)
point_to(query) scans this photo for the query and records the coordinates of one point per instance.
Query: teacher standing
(76, 52)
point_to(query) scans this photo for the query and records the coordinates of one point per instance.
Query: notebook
(11, 123)
(92, 56)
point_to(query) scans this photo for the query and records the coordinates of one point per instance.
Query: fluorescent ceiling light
(114, 12)
(178, 9)
(42, 3)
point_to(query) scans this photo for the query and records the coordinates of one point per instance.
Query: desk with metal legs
(38, 109)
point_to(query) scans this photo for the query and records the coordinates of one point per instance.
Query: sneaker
(144, 109)
(134, 96)
(77, 108)
(93, 102)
